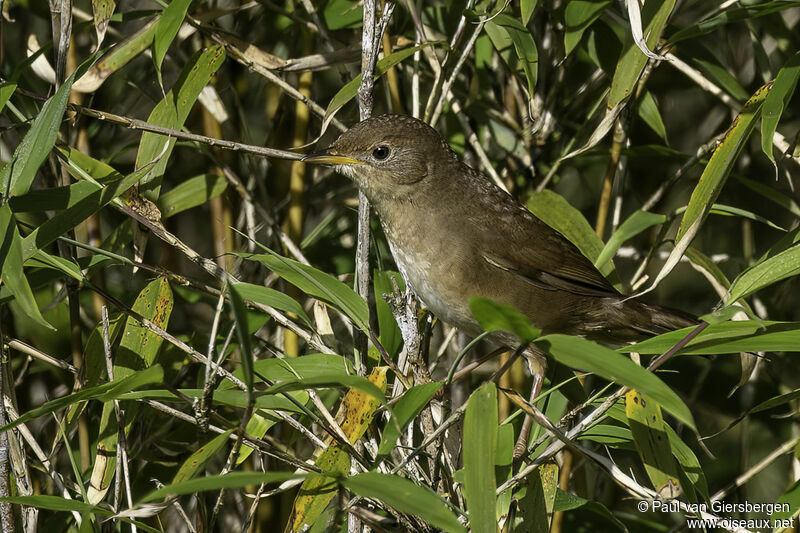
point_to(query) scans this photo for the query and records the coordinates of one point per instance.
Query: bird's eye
(381, 152)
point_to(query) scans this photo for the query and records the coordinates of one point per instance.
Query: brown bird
(454, 235)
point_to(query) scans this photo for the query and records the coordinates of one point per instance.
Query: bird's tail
(656, 319)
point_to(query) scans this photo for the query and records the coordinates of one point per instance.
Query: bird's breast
(437, 277)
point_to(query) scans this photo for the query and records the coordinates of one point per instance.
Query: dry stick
(122, 454)
(474, 142)
(141, 125)
(452, 76)
(710, 146)
(208, 376)
(242, 58)
(740, 480)
(14, 449)
(369, 55)
(41, 455)
(20, 346)
(6, 511)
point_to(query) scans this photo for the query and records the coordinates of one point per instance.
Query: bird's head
(387, 156)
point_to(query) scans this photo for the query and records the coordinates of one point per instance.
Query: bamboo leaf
(581, 354)
(493, 316)
(17, 175)
(405, 496)
(524, 45)
(727, 337)
(650, 437)
(410, 405)
(172, 111)
(104, 393)
(633, 225)
(167, 28)
(713, 180)
(479, 448)
(318, 284)
(776, 101)
(557, 213)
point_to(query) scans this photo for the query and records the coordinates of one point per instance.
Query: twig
(370, 45)
(740, 480)
(123, 469)
(141, 125)
(6, 511)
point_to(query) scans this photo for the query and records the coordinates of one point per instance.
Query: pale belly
(441, 298)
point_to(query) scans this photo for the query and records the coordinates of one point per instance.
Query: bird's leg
(537, 364)
(521, 447)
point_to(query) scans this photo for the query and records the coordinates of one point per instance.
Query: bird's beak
(330, 156)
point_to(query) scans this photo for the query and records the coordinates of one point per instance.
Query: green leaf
(198, 460)
(723, 78)
(167, 28)
(566, 501)
(479, 449)
(271, 297)
(632, 62)
(307, 366)
(341, 14)
(791, 500)
(11, 273)
(84, 199)
(609, 435)
(536, 505)
(104, 393)
(233, 398)
(388, 331)
(231, 480)
(727, 337)
(17, 175)
(318, 284)
(405, 410)
(713, 180)
(239, 312)
(139, 346)
(493, 316)
(776, 101)
(730, 15)
(7, 88)
(557, 213)
(579, 15)
(648, 110)
(191, 193)
(770, 193)
(341, 380)
(524, 45)
(348, 92)
(650, 436)
(405, 496)
(633, 225)
(766, 272)
(526, 8)
(581, 354)
(171, 112)
(57, 503)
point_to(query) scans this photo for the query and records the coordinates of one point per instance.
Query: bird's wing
(543, 257)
